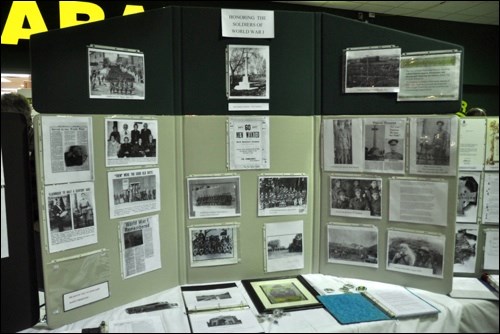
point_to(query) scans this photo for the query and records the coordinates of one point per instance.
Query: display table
(456, 315)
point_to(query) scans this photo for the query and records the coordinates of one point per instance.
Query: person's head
(125, 126)
(375, 195)
(145, 125)
(337, 183)
(83, 196)
(373, 184)
(403, 248)
(342, 194)
(392, 144)
(17, 104)
(476, 111)
(136, 126)
(440, 124)
(139, 141)
(357, 192)
(125, 140)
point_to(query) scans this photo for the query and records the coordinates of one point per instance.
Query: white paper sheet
(151, 324)
(490, 198)
(213, 299)
(471, 287)
(491, 250)
(237, 321)
(472, 143)
(248, 143)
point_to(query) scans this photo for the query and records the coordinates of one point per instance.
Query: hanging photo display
(70, 210)
(248, 143)
(468, 196)
(433, 146)
(465, 248)
(372, 69)
(472, 143)
(490, 198)
(116, 73)
(284, 246)
(133, 191)
(430, 76)
(353, 244)
(359, 197)
(213, 245)
(416, 253)
(214, 196)
(247, 71)
(342, 145)
(491, 162)
(68, 151)
(131, 142)
(282, 195)
(385, 145)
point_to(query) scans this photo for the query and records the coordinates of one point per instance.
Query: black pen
(150, 307)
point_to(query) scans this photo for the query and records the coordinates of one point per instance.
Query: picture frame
(285, 293)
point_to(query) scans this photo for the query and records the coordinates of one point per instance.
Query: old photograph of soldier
(284, 246)
(248, 71)
(356, 197)
(282, 195)
(213, 245)
(468, 196)
(131, 142)
(213, 196)
(343, 145)
(465, 248)
(372, 70)
(354, 245)
(433, 145)
(415, 253)
(116, 73)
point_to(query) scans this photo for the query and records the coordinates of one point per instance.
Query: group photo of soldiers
(357, 194)
(214, 196)
(212, 243)
(276, 192)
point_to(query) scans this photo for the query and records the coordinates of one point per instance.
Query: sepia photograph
(214, 196)
(116, 74)
(248, 71)
(354, 245)
(372, 70)
(213, 245)
(415, 253)
(131, 142)
(282, 195)
(356, 197)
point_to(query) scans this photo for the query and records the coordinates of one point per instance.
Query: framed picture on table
(285, 293)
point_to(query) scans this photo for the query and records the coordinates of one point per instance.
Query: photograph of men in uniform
(392, 153)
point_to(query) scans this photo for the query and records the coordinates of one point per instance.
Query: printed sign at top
(247, 23)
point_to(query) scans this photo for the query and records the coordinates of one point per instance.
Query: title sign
(247, 23)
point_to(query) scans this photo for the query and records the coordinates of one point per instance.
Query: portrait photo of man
(393, 153)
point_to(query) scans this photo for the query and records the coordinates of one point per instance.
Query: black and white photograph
(284, 246)
(131, 142)
(356, 197)
(343, 146)
(353, 244)
(433, 146)
(248, 71)
(465, 248)
(282, 195)
(140, 246)
(68, 149)
(213, 196)
(116, 73)
(416, 253)
(491, 162)
(385, 145)
(133, 191)
(70, 216)
(225, 321)
(213, 245)
(372, 70)
(468, 196)
(212, 297)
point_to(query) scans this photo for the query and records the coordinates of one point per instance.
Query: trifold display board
(275, 204)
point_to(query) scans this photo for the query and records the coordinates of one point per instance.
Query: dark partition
(60, 74)
(340, 33)
(20, 309)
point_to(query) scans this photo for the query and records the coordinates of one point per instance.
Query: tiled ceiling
(481, 12)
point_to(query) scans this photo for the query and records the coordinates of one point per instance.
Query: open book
(212, 297)
(471, 288)
(399, 302)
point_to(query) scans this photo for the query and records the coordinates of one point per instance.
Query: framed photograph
(210, 197)
(131, 142)
(289, 294)
(247, 71)
(356, 197)
(282, 195)
(213, 245)
(116, 73)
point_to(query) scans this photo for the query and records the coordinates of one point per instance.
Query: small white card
(85, 296)
(247, 23)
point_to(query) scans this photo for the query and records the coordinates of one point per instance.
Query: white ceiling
(481, 12)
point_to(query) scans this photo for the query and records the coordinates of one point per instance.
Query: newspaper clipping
(70, 216)
(248, 143)
(385, 145)
(353, 244)
(356, 197)
(67, 146)
(131, 142)
(133, 192)
(140, 246)
(342, 145)
(416, 253)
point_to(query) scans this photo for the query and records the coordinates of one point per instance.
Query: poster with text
(248, 146)
(472, 143)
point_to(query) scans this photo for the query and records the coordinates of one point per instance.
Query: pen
(150, 307)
